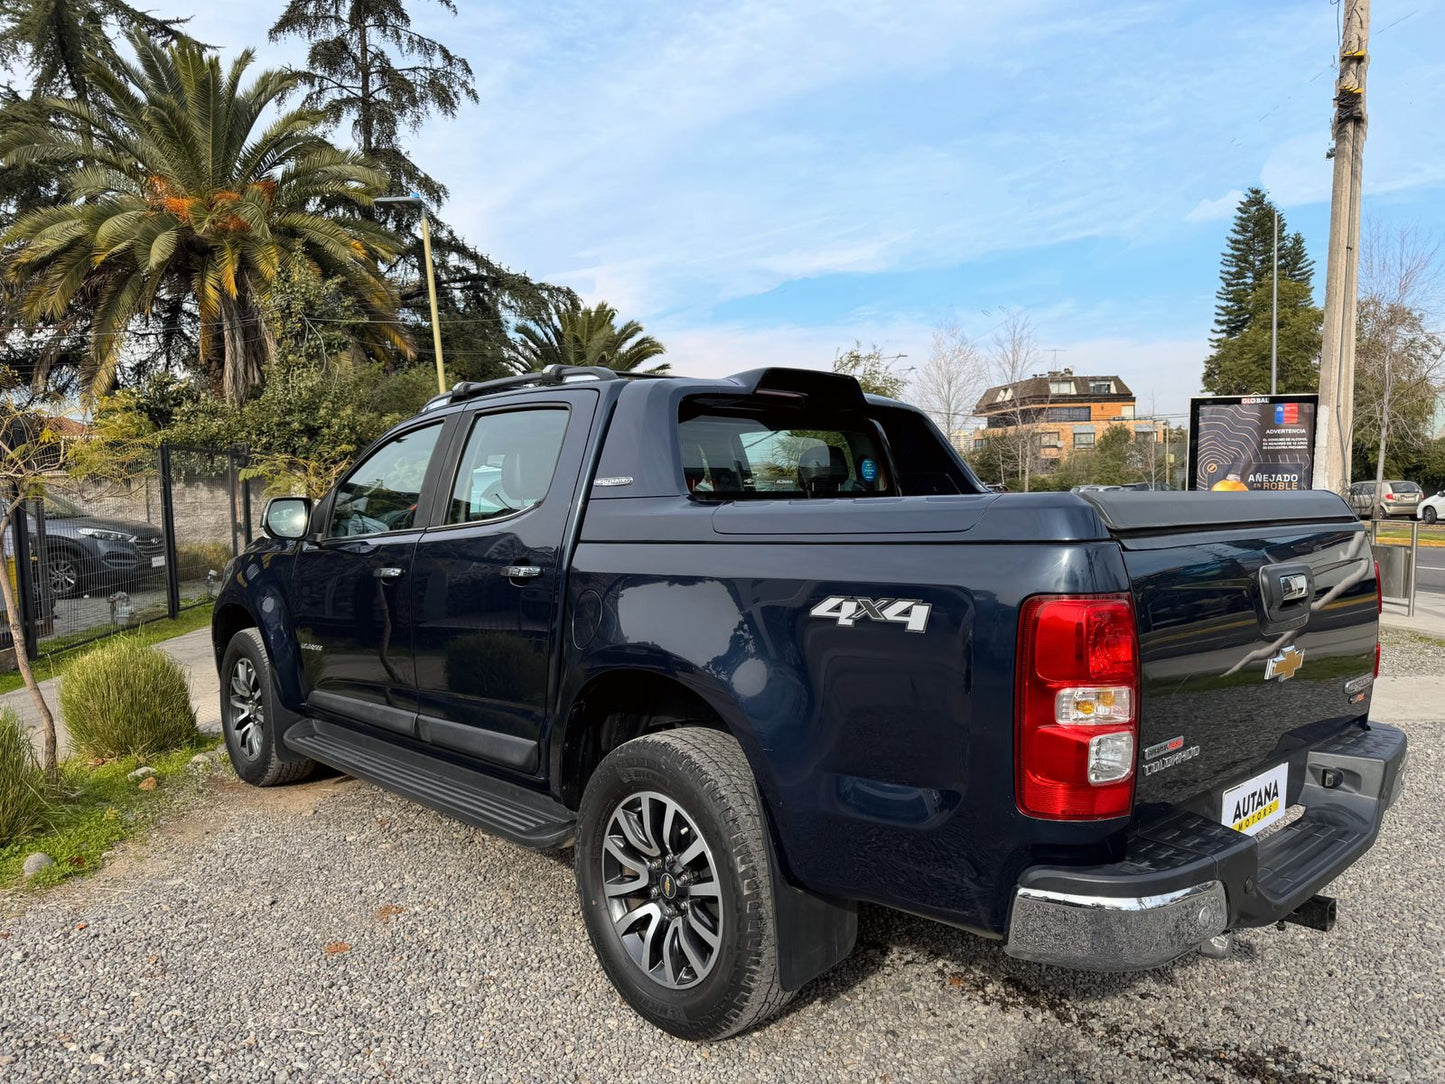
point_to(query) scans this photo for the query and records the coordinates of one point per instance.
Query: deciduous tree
(952, 379)
(1399, 355)
(875, 373)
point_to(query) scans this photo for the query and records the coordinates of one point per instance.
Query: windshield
(59, 508)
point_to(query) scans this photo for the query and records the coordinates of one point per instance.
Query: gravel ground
(332, 932)
(1403, 654)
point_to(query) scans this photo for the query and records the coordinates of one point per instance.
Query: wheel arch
(267, 614)
(815, 932)
(614, 705)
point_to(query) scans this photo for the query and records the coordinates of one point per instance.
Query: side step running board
(519, 814)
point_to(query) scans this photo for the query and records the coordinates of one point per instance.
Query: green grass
(1400, 532)
(55, 656)
(96, 809)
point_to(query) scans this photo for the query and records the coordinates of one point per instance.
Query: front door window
(382, 492)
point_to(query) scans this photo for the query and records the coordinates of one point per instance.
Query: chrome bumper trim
(1114, 933)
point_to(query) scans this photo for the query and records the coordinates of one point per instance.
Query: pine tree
(1239, 363)
(58, 40)
(1248, 258)
(368, 66)
(1240, 366)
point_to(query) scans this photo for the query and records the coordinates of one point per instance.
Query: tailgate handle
(1286, 592)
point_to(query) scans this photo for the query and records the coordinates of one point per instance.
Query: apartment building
(1063, 411)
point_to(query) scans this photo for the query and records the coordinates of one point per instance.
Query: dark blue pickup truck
(764, 647)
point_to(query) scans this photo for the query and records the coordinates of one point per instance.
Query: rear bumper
(1185, 879)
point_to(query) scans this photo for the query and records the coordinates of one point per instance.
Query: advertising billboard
(1252, 442)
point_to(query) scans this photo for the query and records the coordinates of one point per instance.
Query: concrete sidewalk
(192, 650)
(1428, 620)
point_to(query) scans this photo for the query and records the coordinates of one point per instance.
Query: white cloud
(671, 156)
(1215, 210)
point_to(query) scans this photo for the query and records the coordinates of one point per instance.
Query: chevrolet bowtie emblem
(1284, 665)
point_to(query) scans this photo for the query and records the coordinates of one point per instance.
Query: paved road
(455, 956)
(1430, 570)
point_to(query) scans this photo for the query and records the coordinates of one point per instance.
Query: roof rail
(548, 377)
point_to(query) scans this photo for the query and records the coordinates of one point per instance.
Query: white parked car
(1432, 509)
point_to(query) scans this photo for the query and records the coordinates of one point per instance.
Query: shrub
(23, 795)
(125, 698)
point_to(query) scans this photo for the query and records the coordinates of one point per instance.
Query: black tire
(250, 736)
(705, 773)
(65, 569)
(1429, 516)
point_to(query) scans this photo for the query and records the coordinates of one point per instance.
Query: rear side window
(786, 454)
(508, 463)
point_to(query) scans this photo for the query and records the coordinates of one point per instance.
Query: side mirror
(287, 517)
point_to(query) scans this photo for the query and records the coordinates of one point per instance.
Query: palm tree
(580, 336)
(180, 193)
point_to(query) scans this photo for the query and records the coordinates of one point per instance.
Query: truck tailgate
(1257, 622)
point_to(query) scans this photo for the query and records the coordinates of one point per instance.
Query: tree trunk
(248, 345)
(363, 112)
(48, 757)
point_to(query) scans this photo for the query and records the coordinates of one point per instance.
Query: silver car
(1396, 498)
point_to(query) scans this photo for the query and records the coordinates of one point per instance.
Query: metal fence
(90, 559)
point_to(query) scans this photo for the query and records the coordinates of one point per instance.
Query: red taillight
(1077, 707)
(1379, 609)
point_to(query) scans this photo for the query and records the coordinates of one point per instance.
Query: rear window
(1403, 487)
(787, 454)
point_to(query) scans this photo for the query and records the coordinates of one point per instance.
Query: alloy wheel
(247, 715)
(64, 576)
(663, 893)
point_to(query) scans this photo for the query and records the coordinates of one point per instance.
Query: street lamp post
(431, 280)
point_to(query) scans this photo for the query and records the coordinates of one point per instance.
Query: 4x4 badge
(1284, 665)
(909, 612)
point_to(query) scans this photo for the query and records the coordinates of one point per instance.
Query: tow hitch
(1317, 912)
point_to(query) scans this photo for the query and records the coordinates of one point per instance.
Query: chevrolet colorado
(764, 647)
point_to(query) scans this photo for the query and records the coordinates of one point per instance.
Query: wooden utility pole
(1334, 431)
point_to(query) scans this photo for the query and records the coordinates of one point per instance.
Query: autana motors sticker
(1256, 803)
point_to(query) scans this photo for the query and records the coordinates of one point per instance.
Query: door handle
(522, 572)
(389, 573)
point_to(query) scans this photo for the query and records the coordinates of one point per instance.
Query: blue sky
(764, 183)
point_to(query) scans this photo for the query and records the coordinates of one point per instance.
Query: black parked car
(86, 554)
